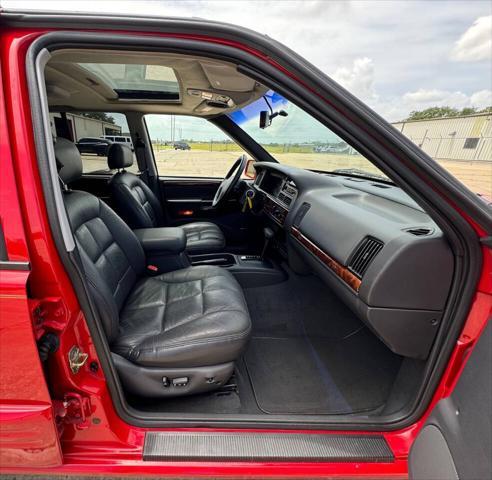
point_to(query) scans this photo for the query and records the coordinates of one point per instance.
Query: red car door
(28, 434)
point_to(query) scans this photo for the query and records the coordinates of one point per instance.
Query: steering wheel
(230, 180)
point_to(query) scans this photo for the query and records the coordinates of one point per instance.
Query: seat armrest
(162, 241)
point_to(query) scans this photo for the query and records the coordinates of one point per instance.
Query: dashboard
(376, 248)
(279, 194)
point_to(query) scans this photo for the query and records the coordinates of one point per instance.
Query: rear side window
(93, 133)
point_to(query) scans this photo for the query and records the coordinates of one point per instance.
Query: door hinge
(48, 312)
(74, 409)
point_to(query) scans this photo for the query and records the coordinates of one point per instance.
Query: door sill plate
(259, 447)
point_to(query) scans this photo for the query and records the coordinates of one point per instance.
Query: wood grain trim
(339, 270)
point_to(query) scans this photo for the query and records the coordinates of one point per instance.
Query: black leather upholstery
(203, 237)
(119, 156)
(72, 168)
(140, 208)
(111, 255)
(135, 201)
(191, 317)
(167, 240)
(195, 317)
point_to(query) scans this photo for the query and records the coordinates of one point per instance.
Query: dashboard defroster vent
(363, 255)
(303, 209)
(420, 231)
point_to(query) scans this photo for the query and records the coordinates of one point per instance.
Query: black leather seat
(140, 208)
(171, 334)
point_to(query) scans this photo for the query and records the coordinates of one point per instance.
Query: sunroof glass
(137, 81)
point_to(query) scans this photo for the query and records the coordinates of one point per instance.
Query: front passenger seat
(172, 334)
(140, 208)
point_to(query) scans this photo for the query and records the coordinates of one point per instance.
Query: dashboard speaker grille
(364, 254)
(303, 209)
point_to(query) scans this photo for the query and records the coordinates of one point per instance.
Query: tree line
(443, 112)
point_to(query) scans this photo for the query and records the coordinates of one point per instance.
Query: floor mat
(309, 353)
(301, 305)
(317, 376)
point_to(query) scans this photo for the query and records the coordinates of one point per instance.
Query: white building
(81, 126)
(467, 138)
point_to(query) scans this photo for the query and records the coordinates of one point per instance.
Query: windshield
(300, 140)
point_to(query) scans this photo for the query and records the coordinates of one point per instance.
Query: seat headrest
(119, 156)
(68, 158)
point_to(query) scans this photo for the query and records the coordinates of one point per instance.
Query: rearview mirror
(267, 117)
(265, 120)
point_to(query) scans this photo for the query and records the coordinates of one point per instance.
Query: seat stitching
(205, 341)
(191, 342)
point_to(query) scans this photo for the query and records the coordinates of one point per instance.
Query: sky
(396, 56)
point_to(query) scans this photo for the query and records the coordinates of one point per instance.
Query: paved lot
(476, 175)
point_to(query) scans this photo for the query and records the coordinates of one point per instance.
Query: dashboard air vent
(303, 209)
(420, 231)
(363, 255)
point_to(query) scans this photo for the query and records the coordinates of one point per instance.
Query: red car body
(92, 438)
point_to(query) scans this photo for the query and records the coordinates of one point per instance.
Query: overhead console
(370, 242)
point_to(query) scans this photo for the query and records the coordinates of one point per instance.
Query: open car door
(455, 442)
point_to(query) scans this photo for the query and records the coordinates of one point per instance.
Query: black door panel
(456, 441)
(188, 199)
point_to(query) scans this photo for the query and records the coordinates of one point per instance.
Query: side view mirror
(250, 170)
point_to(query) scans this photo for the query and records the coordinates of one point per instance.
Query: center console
(249, 270)
(164, 248)
(165, 252)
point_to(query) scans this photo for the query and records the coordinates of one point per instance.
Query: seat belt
(145, 173)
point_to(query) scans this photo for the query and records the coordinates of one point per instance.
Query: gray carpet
(309, 354)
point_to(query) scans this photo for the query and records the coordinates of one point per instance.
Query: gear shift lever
(269, 234)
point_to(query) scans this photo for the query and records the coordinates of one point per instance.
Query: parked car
(181, 146)
(97, 146)
(324, 319)
(125, 140)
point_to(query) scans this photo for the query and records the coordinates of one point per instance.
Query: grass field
(200, 162)
(230, 146)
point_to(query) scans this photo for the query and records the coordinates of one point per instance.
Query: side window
(190, 147)
(93, 133)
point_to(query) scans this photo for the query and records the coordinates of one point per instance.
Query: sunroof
(137, 81)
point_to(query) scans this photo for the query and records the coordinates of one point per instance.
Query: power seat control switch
(180, 382)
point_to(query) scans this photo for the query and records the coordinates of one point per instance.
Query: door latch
(76, 359)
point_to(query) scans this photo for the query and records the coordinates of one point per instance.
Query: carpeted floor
(308, 354)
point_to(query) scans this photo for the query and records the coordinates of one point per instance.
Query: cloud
(372, 48)
(358, 79)
(423, 98)
(476, 43)
(481, 99)
(398, 108)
